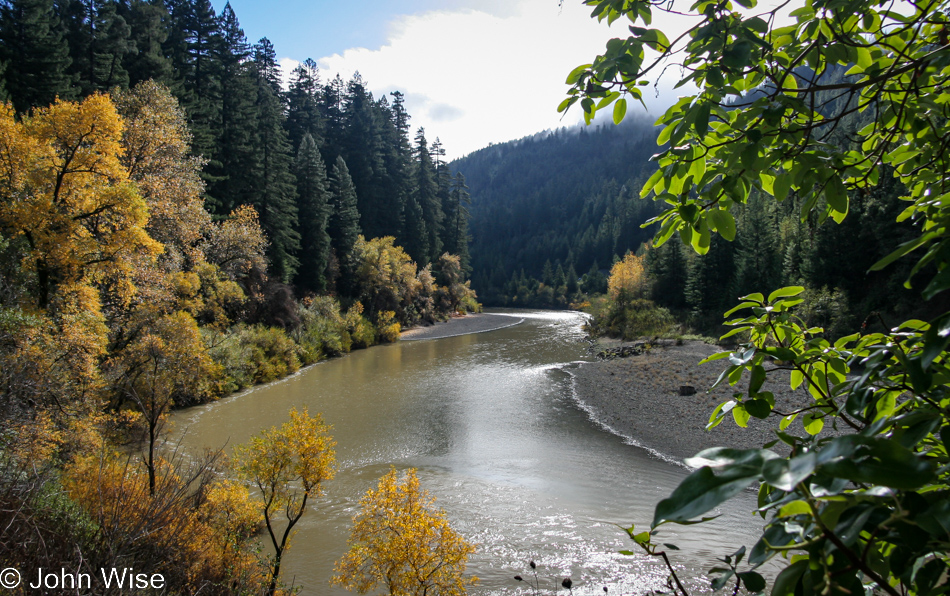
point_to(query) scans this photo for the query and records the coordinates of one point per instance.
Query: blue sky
(473, 72)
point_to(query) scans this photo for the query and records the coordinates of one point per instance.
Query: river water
(492, 425)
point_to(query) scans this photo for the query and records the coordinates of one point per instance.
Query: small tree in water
(300, 451)
(400, 540)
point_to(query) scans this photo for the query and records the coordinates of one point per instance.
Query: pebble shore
(638, 398)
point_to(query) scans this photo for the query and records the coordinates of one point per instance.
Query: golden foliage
(237, 244)
(157, 158)
(386, 274)
(33, 442)
(173, 531)
(70, 196)
(628, 280)
(401, 541)
(300, 452)
(168, 362)
(389, 328)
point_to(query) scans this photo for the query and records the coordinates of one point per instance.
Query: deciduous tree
(402, 542)
(299, 452)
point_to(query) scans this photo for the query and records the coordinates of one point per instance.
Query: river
(492, 425)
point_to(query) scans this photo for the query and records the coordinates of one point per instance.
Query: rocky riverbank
(645, 399)
(473, 323)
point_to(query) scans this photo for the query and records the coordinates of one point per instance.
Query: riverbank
(471, 323)
(639, 399)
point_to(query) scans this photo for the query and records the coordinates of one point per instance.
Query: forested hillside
(549, 207)
(552, 212)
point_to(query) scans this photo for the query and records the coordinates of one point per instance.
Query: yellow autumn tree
(67, 193)
(157, 157)
(400, 540)
(386, 276)
(627, 281)
(300, 452)
(166, 363)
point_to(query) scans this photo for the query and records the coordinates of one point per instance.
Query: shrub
(388, 326)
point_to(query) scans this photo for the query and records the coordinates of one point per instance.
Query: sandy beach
(638, 398)
(473, 323)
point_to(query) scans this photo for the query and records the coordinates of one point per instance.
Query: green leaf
(787, 581)
(813, 423)
(700, 492)
(650, 183)
(877, 461)
(575, 75)
(785, 293)
(902, 250)
(701, 122)
(724, 223)
(620, 110)
(757, 379)
(566, 104)
(786, 474)
(782, 186)
(938, 284)
(752, 581)
(759, 408)
(741, 415)
(704, 490)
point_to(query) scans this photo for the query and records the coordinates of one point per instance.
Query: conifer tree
(313, 208)
(397, 157)
(416, 237)
(98, 39)
(36, 54)
(231, 175)
(455, 229)
(427, 198)
(443, 182)
(361, 149)
(331, 111)
(265, 58)
(194, 49)
(148, 30)
(344, 227)
(758, 260)
(668, 269)
(274, 184)
(303, 104)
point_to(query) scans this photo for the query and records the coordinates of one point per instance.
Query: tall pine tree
(231, 175)
(148, 21)
(313, 213)
(303, 104)
(344, 227)
(426, 197)
(274, 183)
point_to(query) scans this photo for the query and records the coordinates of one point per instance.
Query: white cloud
(472, 77)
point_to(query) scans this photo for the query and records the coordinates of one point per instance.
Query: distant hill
(569, 198)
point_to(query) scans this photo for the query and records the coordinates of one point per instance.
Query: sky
(473, 72)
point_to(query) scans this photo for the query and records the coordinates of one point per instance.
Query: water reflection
(490, 422)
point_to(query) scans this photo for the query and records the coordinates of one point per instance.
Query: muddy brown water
(492, 425)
